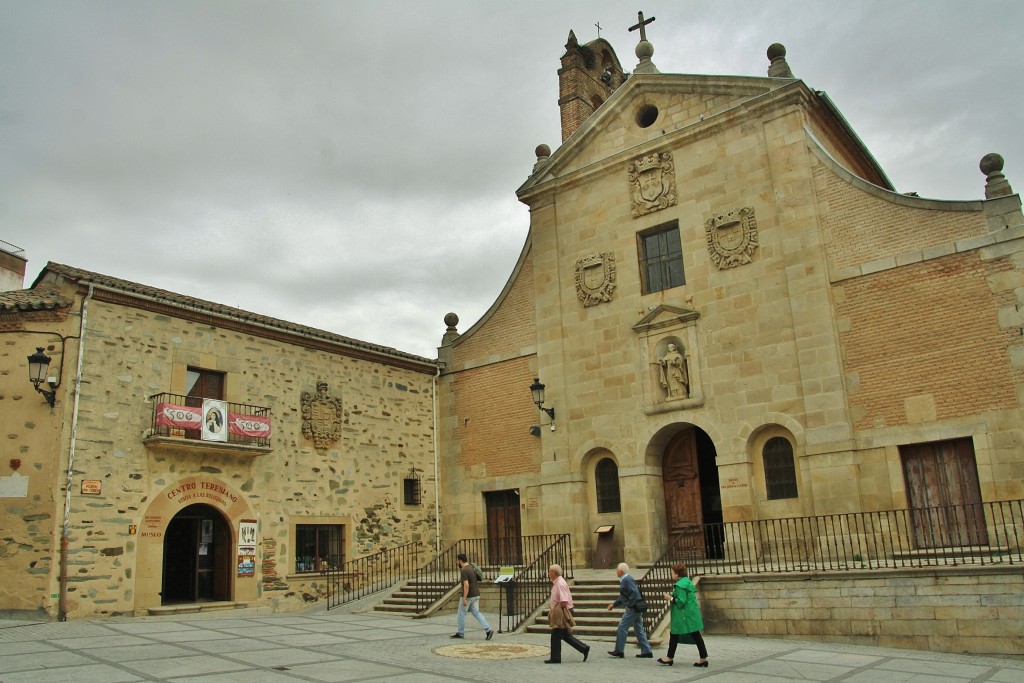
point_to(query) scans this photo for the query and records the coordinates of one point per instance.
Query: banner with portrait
(215, 420)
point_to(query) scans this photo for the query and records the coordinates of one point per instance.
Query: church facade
(734, 317)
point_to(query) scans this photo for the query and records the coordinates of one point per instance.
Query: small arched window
(779, 472)
(606, 478)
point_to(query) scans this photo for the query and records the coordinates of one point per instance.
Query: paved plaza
(335, 646)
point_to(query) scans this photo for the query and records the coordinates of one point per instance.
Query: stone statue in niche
(652, 183)
(322, 417)
(674, 378)
(732, 237)
(595, 278)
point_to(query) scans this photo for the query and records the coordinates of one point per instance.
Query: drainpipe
(437, 482)
(62, 604)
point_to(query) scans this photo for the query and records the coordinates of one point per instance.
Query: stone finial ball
(644, 49)
(991, 163)
(776, 50)
(542, 151)
(451, 320)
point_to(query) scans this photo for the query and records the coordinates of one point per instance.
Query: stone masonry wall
(979, 610)
(130, 355)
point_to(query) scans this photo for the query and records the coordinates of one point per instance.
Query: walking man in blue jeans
(629, 596)
(470, 598)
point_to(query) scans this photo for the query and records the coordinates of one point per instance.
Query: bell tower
(589, 75)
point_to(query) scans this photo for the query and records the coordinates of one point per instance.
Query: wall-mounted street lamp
(537, 389)
(38, 366)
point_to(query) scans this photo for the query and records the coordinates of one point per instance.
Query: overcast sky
(352, 165)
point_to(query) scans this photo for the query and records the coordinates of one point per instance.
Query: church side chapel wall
(355, 480)
(485, 414)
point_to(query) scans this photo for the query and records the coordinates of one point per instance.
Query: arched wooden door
(681, 477)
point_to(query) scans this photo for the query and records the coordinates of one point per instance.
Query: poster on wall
(246, 560)
(247, 547)
(215, 421)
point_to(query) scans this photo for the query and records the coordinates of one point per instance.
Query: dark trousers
(697, 640)
(560, 634)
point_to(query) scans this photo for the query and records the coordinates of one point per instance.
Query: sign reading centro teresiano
(207, 490)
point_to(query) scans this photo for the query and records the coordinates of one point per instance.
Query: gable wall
(861, 227)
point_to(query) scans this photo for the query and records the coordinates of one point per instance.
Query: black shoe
(456, 635)
(703, 664)
(666, 662)
(615, 653)
(552, 661)
(490, 634)
(646, 655)
(586, 653)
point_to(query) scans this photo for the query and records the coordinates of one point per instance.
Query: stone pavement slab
(355, 648)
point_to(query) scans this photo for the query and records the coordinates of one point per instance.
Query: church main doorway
(693, 503)
(198, 553)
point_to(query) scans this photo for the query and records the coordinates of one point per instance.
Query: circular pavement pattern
(491, 651)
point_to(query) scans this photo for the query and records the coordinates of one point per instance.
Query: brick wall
(865, 228)
(904, 323)
(489, 401)
(508, 329)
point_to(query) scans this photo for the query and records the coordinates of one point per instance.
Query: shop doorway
(198, 554)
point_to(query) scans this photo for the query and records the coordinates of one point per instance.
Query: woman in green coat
(686, 619)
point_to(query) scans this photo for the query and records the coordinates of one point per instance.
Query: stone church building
(723, 311)
(734, 317)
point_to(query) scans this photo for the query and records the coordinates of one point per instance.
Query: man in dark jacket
(633, 616)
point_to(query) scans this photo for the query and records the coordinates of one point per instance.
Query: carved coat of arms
(322, 417)
(732, 237)
(595, 278)
(652, 183)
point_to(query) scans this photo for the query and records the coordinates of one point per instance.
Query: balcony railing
(246, 425)
(377, 572)
(950, 535)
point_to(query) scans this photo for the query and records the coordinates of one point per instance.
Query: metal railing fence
(440, 575)
(950, 535)
(358, 578)
(531, 587)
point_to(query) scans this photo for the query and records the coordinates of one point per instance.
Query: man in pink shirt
(561, 602)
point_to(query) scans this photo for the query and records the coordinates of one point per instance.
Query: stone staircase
(402, 600)
(590, 597)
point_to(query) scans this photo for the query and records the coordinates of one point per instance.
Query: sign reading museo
(210, 420)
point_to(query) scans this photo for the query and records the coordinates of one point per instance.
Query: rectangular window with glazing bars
(661, 258)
